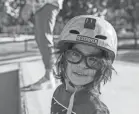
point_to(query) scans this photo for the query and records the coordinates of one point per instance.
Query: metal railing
(123, 43)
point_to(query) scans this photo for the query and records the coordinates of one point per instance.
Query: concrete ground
(120, 94)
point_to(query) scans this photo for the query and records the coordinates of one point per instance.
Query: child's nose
(82, 64)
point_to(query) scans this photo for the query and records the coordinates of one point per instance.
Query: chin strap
(72, 88)
(71, 102)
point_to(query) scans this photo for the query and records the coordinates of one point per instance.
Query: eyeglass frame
(98, 58)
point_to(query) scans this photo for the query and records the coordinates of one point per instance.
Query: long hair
(102, 75)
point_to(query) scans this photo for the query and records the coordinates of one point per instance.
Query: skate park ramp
(9, 90)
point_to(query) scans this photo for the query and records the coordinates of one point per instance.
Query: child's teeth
(80, 73)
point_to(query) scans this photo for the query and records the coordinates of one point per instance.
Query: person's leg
(44, 25)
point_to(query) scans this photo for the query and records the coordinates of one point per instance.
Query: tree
(123, 14)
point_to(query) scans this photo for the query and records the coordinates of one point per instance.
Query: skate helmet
(91, 30)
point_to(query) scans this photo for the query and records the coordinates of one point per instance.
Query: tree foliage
(121, 13)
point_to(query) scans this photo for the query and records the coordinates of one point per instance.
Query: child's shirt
(84, 102)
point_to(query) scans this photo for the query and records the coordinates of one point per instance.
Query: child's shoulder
(90, 104)
(100, 107)
(61, 94)
(59, 89)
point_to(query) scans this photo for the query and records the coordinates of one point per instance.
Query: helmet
(91, 30)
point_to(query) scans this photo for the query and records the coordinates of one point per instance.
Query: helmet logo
(87, 39)
(90, 23)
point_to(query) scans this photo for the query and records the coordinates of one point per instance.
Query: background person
(45, 13)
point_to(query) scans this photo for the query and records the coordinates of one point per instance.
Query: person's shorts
(38, 5)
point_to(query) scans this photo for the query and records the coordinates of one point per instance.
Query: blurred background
(20, 57)
(17, 22)
(16, 18)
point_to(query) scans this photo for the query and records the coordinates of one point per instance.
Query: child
(87, 49)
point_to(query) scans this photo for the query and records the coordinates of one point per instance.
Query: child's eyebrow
(91, 54)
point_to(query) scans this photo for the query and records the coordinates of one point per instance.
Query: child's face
(80, 73)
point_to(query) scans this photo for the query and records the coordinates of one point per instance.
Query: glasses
(92, 61)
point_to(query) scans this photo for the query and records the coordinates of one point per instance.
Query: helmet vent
(74, 32)
(101, 37)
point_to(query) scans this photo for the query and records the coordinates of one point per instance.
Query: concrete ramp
(9, 90)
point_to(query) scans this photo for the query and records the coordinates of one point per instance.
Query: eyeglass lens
(75, 57)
